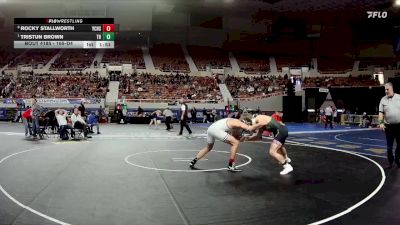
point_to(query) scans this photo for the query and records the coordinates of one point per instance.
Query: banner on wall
(324, 90)
(3, 114)
(295, 72)
(71, 101)
(13, 101)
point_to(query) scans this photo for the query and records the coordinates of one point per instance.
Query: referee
(184, 117)
(328, 116)
(389, 121)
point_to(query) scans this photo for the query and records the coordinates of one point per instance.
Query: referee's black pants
(392, 132)
(184, 124)
(328, 119)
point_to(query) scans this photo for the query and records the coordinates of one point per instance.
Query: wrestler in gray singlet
(220, 131)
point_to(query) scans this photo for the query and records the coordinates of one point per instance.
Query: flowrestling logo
(377, 14)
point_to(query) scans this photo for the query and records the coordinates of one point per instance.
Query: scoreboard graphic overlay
(64, 33)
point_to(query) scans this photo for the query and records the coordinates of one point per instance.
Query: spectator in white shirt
(328, 116)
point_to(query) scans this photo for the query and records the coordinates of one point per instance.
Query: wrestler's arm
(256, 137)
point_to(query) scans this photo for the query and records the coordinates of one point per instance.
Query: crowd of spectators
(153, 87)
(249, 87)
(54, 86)
(326, 82)
(174, 86)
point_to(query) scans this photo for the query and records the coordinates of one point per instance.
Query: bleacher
(292, 61)
(119, 57)
(74, 59)
(208, 56)
(7, 56)
(252, 62)
(377, 62)
(171, 87)
(34, 58)
(169, 58)
(335, 64)
(360, 81)
(58, 86)
(251, 87)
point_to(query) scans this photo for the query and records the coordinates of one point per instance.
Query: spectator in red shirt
(26, 118)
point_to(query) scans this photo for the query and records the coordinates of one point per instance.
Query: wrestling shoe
(192, 163)
(287, 168)
(233, 168)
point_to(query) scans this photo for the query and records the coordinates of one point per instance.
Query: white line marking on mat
(358, 204)
(19, 203)
(357, 143)
(188, 170)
